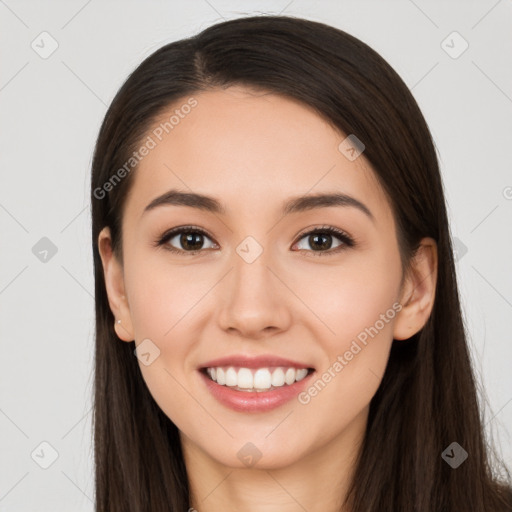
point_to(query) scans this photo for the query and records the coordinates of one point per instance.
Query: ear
(114, 283)
(418, 291)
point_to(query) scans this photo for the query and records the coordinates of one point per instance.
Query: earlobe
(122, 332)
(418, 292)
(114, 283)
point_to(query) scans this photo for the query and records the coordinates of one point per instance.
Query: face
(268, 286)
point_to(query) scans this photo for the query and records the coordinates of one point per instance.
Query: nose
(254, 302)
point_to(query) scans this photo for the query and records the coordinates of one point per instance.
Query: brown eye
(190, 241)
(320, 241)
(184, 240)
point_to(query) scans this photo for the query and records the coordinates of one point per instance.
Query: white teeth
(221, 376)
(278, 377)
(245, 378)
(289, 376)
(231, 377)
(300, 374)
(261, 379)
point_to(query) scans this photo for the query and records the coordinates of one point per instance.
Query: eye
(190, 238)
(320, 240)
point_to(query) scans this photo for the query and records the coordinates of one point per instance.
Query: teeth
(301, 374)
(278, 378)
(261, 379)
(289, 376)
(231, 377)
(245, 378)
(221, 376)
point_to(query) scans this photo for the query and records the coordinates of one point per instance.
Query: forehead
(252, 150)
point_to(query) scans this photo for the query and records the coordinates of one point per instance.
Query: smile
(256, 379)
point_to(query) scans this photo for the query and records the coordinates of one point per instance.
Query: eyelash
(347, 241)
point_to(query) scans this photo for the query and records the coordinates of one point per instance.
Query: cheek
(351, 297)
(163, 297)
(359, 305)
(163, 306)
(360, 314)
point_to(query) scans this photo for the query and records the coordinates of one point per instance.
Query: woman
(277, 316)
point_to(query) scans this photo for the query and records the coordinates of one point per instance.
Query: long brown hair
(428, 396)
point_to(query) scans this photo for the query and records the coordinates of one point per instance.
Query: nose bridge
(252, 295)
(251, 275)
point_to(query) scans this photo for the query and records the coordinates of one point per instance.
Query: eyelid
(346, 240)
(343, 236)
(171, 233)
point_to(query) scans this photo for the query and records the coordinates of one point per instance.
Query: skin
(252, 151)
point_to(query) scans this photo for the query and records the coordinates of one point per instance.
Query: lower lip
(254, 401)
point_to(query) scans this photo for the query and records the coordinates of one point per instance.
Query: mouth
(255, 384)
(256, 380)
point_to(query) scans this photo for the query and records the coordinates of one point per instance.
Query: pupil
(326, 244)
(192, 241)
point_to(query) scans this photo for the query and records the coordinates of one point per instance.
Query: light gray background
(51, 110)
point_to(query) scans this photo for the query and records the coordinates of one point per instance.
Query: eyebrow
(293, 205)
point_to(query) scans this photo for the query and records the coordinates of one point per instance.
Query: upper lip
(262, 361)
